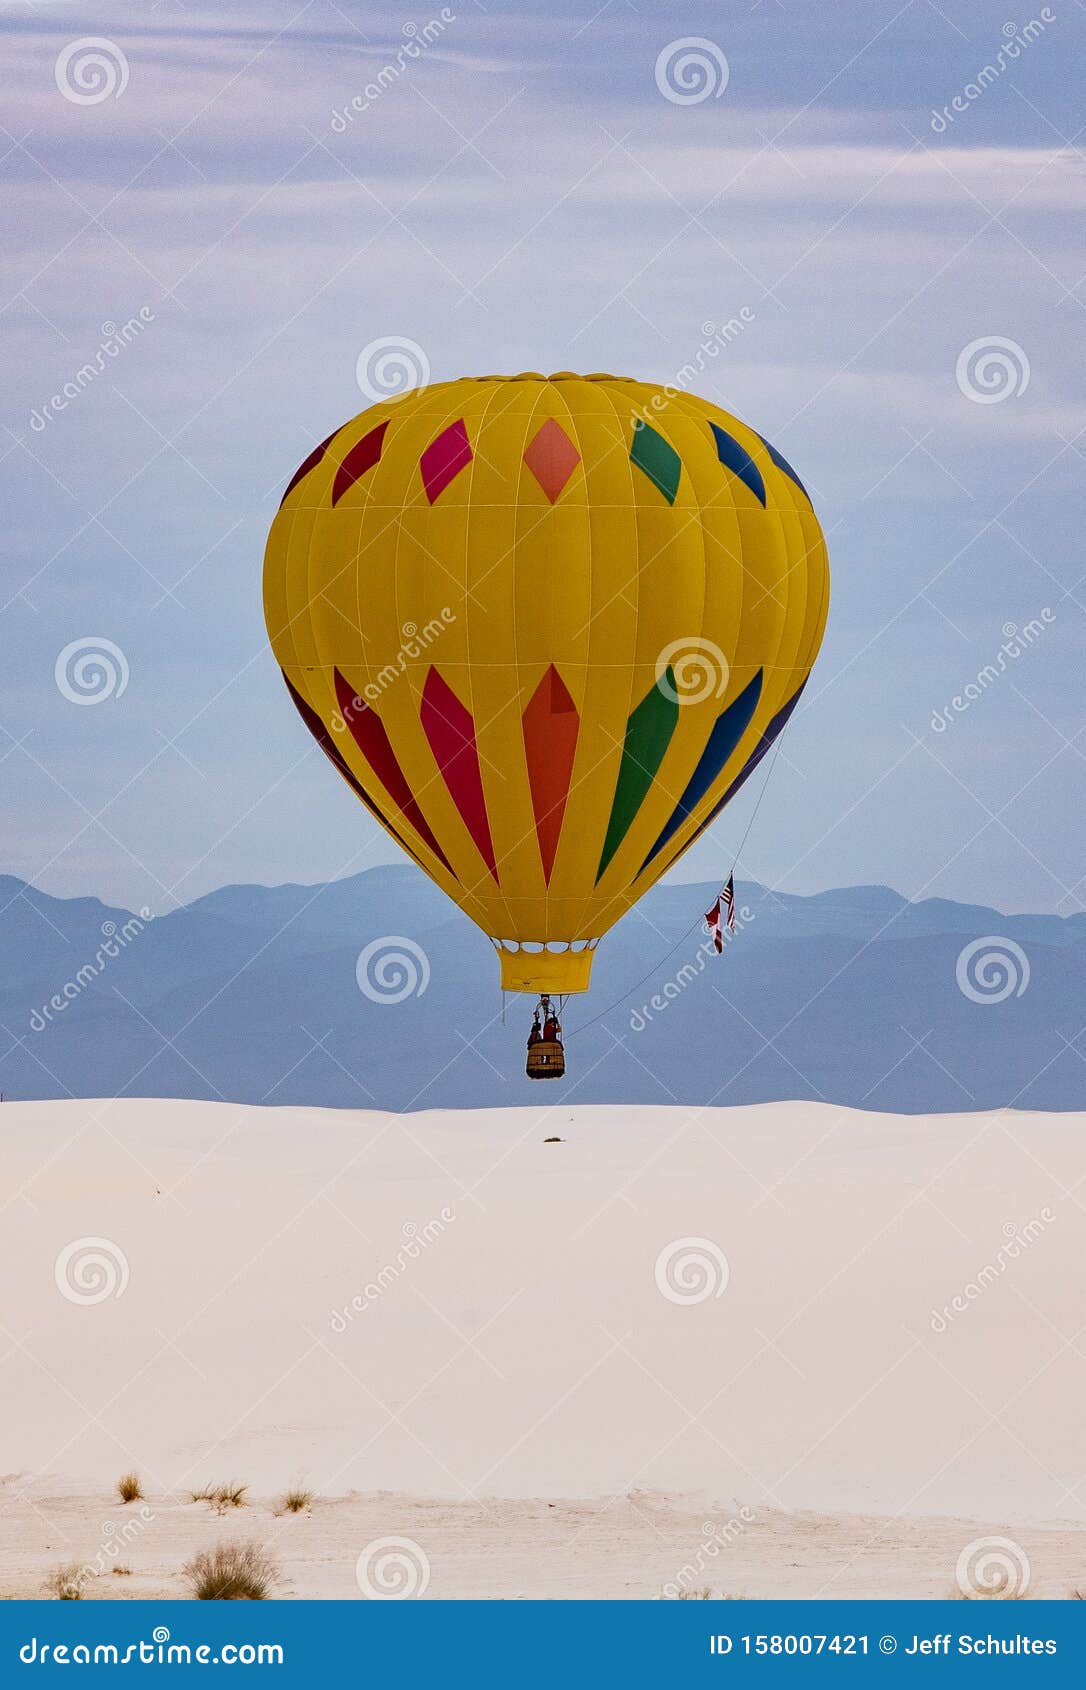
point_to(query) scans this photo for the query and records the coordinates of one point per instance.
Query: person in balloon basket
(551, 1030)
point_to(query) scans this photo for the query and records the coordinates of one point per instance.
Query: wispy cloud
(520, 195)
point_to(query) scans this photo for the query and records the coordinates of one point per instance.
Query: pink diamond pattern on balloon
(444, 458)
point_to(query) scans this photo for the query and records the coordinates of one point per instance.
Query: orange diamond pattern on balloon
(552, 457)
(444, 458)
(550, 724)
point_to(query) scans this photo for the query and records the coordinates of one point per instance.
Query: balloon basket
(546, 1061)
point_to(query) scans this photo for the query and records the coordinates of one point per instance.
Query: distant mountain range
(251, 994)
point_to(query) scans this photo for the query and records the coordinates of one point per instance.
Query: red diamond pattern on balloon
(444, 458)
(311, 462)
(450, 730)
(371, 737)
(361, 457)
(552, 457)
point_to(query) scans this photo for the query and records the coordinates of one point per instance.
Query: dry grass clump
(232, 1572)
(129, 1488)
(221, 1497)
(65, 1584)
(701, 1594)
(295, 1500)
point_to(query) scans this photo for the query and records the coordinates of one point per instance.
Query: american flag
(712, 918)
(728, 896)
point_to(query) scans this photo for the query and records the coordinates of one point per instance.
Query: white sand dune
(510, 1335)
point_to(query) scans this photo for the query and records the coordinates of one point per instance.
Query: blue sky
(523, 195)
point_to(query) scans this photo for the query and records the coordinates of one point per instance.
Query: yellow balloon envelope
(545, 627)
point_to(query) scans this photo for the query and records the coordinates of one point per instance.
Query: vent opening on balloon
(536, 947)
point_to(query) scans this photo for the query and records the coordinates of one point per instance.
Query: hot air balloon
(545, 627)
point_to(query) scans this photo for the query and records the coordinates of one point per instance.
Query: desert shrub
(66, 1583)
(221, 1497)
(701, 1594)
(129, 1488)
(232, 1572)
(295, 1500)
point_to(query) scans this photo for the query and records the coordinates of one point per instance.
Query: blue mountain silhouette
(250, 994)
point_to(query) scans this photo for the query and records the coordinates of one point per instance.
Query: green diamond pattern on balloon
(659, 461)
(648, 735)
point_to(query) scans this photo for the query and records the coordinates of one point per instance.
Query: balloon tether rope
(630, 990)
